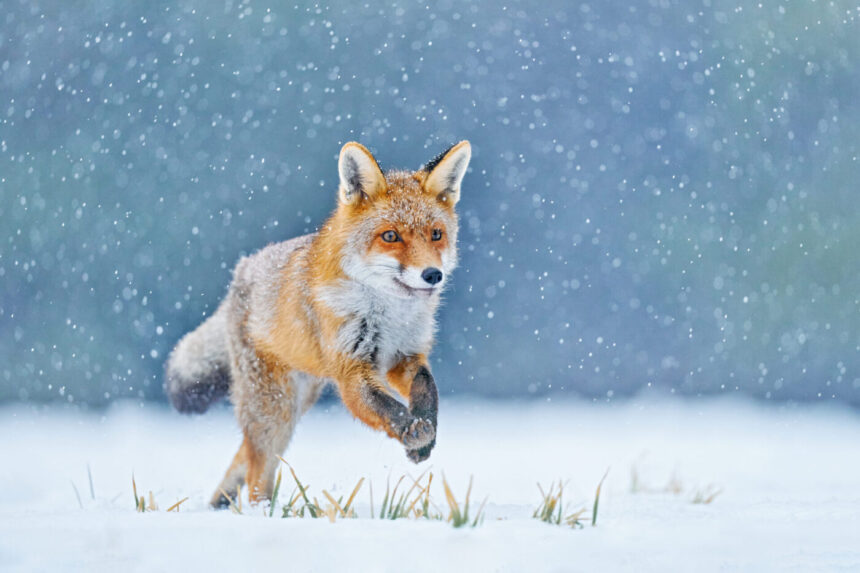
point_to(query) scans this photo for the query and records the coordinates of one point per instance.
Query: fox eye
(436, 235)
(390, 236)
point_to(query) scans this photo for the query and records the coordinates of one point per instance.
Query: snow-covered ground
(790, 481)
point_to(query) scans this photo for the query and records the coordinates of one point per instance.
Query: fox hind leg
(233, 480)
(263, 460)
(268, 416)
(254, 464)
(269, 397)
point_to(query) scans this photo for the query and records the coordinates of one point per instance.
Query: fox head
(399, 229)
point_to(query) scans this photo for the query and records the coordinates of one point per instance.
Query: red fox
(353, 304)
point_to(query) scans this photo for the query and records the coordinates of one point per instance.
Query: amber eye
(437, 234)
(390, 236)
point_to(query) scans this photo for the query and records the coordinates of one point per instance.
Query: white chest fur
(380, 327)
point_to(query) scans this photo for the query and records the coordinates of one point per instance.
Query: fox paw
(421, 454)
(221, 501)
(418, 434)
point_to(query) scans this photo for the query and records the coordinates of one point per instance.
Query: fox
(352, 305)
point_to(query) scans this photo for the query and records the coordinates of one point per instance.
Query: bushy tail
(198, 370)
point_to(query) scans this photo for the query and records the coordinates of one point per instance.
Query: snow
(788, 477)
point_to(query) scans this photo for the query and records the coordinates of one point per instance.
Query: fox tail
(198, 369)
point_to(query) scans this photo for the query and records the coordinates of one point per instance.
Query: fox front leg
(424, 404)
(412, 379)
(414, 430)
(368, 401)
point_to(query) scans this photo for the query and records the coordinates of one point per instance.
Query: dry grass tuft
(141, 505)
(300, 504)
(706, 494)
(406, 506)
(674, 486)
(551, 509)
(409, 499)
(456, 516)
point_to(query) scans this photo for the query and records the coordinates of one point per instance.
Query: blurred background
(663, 195)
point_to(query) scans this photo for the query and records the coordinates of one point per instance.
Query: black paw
(418, 434)
(419, 455)
(221, 501)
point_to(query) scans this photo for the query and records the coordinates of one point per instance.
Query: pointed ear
(360, 176)
(446, 171)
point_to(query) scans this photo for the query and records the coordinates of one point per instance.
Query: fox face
(400, 228)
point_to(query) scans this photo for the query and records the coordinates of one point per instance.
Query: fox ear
(360, 176)
(445, 172)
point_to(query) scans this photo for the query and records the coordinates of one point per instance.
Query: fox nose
(432, 275)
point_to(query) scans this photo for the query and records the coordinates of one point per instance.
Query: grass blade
(453, 506)
(275, 494)
(597, 499)
(77, 495)
(175, 506)
(422, 493)
(384, 500)
(480, 511)
(311, 508)
(370, 486)
(288, 509)
(560, 502)
(466, 503)
(90, 476)
(397, 510)
(230, 501)
(426, 503)
(352, 497)
(391, 507)
(134, 489)
(334, 502)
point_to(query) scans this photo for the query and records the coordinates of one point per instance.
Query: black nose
(432, 275)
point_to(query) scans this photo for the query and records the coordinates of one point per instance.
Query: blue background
(662, 194)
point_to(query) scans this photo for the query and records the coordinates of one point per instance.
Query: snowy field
(789, 480)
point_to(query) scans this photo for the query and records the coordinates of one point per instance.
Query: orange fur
(400, 377)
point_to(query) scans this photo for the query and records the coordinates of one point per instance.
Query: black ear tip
(431, 165)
